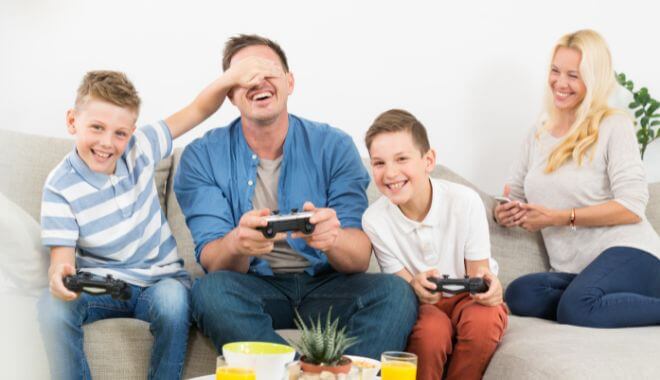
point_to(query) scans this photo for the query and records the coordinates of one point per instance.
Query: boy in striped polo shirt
(101, 214)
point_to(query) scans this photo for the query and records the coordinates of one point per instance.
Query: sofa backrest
(26, 160)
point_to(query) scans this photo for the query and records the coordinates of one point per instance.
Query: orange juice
(398, 370)
(228, 373)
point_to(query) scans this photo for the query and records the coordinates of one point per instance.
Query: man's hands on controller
(326, 228)
(56, 283)
(248, 240)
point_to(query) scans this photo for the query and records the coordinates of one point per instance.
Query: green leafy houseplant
(645, 108)
(323, 345)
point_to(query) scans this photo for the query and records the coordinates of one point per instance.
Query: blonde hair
(598, 76)
(110, 86)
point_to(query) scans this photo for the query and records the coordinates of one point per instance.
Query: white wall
(472, 72)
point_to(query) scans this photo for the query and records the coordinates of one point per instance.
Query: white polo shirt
(454, 230)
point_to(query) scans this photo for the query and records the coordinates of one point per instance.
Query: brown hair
(110, 86)
(241, 41)
(396, 120)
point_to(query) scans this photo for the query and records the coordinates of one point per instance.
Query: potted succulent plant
(322, 346)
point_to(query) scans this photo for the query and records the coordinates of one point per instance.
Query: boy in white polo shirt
(426, 227)
(101, 214)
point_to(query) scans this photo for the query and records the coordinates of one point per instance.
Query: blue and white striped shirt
(115, 222)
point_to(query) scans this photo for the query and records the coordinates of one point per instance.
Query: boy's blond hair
(396, 120)
(109, 86)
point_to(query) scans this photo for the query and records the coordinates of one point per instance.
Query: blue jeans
(620, 288)
(379, 309)
(165, 305)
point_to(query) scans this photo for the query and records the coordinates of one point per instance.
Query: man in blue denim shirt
(230, 180)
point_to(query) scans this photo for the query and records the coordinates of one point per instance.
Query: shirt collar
(432, 218)
(289, 142)
(98, 180)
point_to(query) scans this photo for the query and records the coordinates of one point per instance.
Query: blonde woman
(579, 180)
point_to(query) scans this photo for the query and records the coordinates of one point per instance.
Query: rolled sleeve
(348, 184)
(625, 169)
(204, 205)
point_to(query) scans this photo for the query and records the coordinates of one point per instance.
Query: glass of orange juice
(398, 365)
(225, 372)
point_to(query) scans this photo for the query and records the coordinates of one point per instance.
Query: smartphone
(502, 200)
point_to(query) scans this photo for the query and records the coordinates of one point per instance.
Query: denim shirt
(218, 173)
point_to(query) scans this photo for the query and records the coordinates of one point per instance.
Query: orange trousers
(456, 334)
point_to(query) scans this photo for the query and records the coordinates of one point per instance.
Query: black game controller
(296, 221)
(97, 285)
(459, 285)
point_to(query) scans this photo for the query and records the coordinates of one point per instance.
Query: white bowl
(267, 359)
(367, 368)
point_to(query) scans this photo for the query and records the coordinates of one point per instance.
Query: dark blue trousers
(620, 288)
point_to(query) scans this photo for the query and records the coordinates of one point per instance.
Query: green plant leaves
(322, 343)
(621, 78)
(645, 107)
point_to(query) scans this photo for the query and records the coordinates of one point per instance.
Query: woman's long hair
(598, 77)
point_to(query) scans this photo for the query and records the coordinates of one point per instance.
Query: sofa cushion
(23, 260)
(538, 349)
(26, 160)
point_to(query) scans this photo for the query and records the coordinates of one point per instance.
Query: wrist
(233, 247)
(333, 246)
(562, 218)
(227, 80)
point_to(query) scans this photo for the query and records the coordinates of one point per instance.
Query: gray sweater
(615, 173)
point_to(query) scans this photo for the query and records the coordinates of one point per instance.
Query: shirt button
(250, 183)
(254, 156)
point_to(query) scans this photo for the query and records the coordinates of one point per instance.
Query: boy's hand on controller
(326, 228)
(56, 283)
(423, 287)
(493, 296)
(247, 240)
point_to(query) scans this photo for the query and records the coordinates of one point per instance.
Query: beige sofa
(531, 348)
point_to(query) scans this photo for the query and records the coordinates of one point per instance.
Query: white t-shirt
(454, 230)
